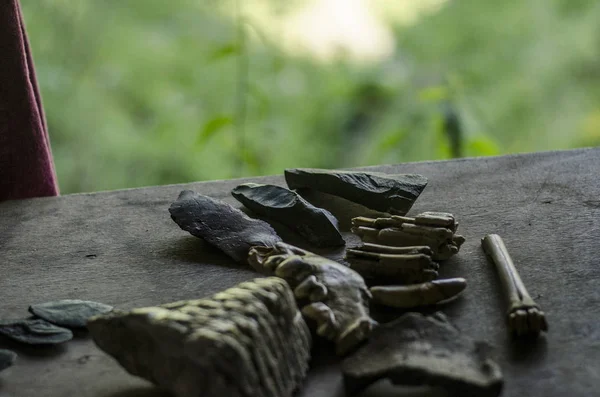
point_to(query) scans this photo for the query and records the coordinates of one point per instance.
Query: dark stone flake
(395, 194)
(419, 350)
(70, 313)
(221, 225)
(318, 226)
(34, 331)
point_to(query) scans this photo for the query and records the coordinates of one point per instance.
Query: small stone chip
(71, 313)
(7, 358)
(34, 331)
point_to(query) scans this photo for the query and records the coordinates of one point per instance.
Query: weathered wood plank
(123, 249)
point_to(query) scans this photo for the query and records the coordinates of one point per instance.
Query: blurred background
(148, 92)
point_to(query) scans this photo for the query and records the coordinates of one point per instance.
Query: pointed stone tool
(318, 226)
(394, 194)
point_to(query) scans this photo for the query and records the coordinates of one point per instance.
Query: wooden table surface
(122, 248)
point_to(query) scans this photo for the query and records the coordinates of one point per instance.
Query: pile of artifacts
(255, 338)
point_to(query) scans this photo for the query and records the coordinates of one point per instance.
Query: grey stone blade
(70, 313)
(420, 350)
(34, 331)
(7, 358)
(221, 225)
(318, 226)
(395, 194)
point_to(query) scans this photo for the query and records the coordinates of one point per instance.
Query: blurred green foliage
(155, 92)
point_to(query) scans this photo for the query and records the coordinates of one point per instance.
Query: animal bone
(338, 299)
(249, 340)
(436, 230)
(392, 265)
(409, 296)
(524, 316)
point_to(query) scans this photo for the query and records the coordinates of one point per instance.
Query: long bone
(524, 316)
(415, 295)
(380, 264)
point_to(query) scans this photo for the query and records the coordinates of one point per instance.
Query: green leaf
(225, 51)
(392, 140)
(482, 146)
(434, 94)
(212, 127)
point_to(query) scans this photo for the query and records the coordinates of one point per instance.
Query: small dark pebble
(71, 313)
(7, 358)
(34, 331)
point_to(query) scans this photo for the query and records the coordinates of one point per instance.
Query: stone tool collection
(256, 338)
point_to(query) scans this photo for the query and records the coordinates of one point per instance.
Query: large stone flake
(249, 340)
(419, 350)
(395, 194)
(221, 225)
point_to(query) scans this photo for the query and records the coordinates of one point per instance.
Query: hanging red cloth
(26, 165)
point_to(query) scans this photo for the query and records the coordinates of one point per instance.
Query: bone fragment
(524, 316)
(393, 265)
(338, 298)
(424, 294)
(432, 229)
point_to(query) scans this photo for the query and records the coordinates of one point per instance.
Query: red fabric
(26, 166)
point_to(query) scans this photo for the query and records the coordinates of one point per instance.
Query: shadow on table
(33, 351)
(195, 250)
(141, 391)
(385, 388)
(529, 350)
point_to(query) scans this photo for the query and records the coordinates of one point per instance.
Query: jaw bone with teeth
(337, 297)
